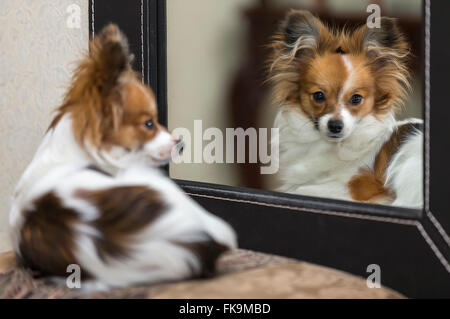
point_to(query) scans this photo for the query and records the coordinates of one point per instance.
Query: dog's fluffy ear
(301, 32)
(300, 23)
(388, 53)
(110, 57)
(94, 98)
(300, 37)
(387, 37)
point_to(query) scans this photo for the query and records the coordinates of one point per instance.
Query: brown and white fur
(338, 91)
(93, 195)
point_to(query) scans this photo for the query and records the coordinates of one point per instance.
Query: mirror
(274, 95)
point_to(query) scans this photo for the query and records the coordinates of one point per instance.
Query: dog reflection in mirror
(338, 92)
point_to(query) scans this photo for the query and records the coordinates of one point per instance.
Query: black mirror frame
(412, 247)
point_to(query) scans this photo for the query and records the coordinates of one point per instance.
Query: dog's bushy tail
(120, 235)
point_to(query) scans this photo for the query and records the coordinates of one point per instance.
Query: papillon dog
(338, 92)
(93, 196)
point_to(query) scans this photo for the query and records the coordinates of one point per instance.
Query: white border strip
(142, 40)
(427, 104)
(433, 219)
(439, 227)
(433, 247)
(407, 222)
(93, 18)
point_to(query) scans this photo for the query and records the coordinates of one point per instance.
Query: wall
(37, 51)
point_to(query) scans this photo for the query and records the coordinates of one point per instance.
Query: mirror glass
(315, 98)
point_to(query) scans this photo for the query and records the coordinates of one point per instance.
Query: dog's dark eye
(319, 97)
(355, 99)
(149, 124)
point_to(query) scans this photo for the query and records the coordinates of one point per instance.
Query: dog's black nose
(335, 126)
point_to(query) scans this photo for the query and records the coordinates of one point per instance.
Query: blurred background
(215, 64)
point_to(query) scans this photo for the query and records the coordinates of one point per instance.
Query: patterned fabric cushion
(241, 274)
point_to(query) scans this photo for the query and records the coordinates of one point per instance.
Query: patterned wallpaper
(39, 42)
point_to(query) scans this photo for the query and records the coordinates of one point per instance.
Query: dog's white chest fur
(311, 166)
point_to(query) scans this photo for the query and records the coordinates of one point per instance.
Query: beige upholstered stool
(241, 274)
